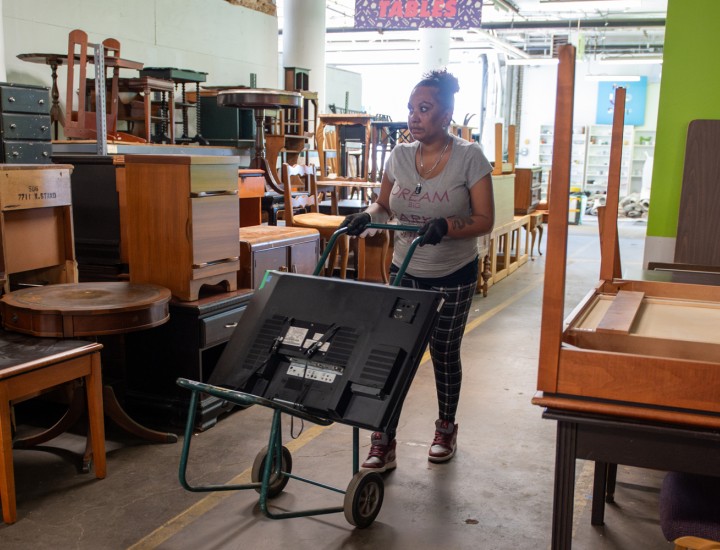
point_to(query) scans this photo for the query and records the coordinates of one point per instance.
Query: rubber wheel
(277, 482)
(364, 498)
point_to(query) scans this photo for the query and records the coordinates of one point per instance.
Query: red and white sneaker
(445, 443)
(382, 454)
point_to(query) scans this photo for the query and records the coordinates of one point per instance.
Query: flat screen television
(339, 350)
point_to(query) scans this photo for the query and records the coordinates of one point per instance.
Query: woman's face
(427, 118)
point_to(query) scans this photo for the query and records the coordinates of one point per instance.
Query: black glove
(433, 231)
(356, 223)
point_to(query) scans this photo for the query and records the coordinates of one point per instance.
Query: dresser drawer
(18, 126)
(19, 99)
(27, 152)
(217, 329)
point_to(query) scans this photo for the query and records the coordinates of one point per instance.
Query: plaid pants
(445, 341)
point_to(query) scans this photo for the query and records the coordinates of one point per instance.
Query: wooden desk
(608, 440)
(88, 309)
(29, 366)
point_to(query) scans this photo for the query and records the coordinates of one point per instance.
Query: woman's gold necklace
(423, 172)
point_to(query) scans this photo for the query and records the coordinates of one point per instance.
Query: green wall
(689, 90)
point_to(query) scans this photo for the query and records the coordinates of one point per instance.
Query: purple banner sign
(416, 14)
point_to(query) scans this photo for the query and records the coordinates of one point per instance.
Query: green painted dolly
(365, 492)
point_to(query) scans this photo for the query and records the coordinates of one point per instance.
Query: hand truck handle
(388, 226)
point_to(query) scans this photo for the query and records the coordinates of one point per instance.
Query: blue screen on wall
(634, 101)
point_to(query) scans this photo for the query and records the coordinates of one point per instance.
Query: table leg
(68, 420)
(600, 479)
(564, 492)
(7, 473)
(115, 412)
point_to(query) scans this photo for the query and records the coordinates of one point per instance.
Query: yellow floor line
(202, 507)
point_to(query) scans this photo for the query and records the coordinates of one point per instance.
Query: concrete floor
(496, 493)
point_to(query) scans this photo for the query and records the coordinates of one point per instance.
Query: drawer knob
(43, 128)
(13, 126)
(45, 153)
(41, 102)
(15, 154)
(231, 325)
(11, 99)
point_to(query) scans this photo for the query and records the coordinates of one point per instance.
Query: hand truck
(364, 494)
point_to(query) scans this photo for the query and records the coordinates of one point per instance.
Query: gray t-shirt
(445, 195)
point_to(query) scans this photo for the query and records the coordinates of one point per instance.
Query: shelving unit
(642, 149)
(598, 159)
(579, 146)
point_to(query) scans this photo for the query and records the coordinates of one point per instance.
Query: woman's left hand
(433, 231)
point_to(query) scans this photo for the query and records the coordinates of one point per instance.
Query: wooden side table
(29, 366)
(81, 310)
(363, 120)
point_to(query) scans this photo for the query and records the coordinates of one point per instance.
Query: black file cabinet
(25, 124)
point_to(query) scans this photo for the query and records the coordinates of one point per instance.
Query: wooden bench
(30, 366)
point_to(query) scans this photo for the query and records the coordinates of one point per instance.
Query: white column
(3, 72)
(304, 42)
(434, 49)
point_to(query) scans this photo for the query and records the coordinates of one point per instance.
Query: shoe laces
(378, 451)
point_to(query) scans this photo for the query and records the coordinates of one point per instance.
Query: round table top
(82, 309)
(259, 98)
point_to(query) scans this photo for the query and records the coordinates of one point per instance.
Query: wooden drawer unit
(182, 214)
(528, 185)
(25, 124)
(264, 247)
(36, 231)
(187, 346)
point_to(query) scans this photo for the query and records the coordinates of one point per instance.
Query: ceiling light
(612, 78)
(630, 61)
(539, 61)
(589, 5)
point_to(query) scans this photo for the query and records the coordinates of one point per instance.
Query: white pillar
(3, 72)
(434, 49)
(304, 42)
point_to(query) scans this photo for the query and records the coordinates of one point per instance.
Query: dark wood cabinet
(263, 247)
(188, 346)
(528, 185)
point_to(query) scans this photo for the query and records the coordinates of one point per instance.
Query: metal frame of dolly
(364, 494)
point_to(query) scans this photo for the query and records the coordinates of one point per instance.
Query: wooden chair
(326, 224)
(81, 123)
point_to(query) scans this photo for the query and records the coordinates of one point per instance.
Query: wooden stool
(30, 366)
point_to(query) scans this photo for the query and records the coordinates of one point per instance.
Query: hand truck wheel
(364, 498)
(277, 482)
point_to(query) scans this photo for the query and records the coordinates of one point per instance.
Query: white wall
(337, 83)
(540, 91)
(226, 41)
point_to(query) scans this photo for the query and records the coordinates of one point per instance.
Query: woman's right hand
(356, 223)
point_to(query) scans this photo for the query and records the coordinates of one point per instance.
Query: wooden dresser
(183, 214)
(189, 346)
(527, 189)
(263, 247)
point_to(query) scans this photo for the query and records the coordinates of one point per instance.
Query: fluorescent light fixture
(541, 61)
(631, 61)
(589, 5)
(612, 78)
